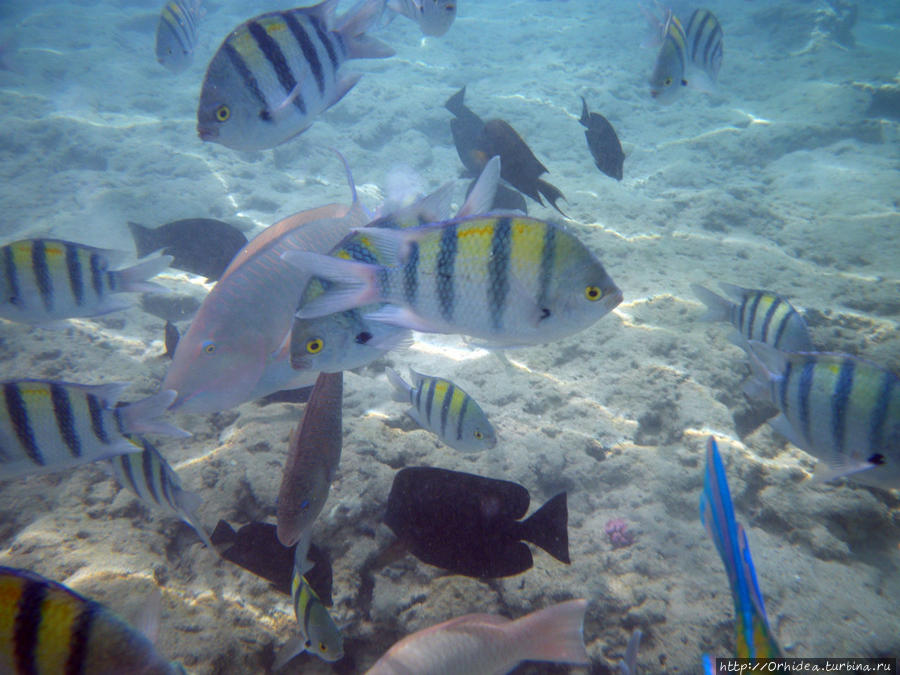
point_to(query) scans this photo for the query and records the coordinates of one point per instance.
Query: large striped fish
(843, 410)
(46, 628)
(46, 280)
(754, 637)
(176, 34)
(687, 58)
(148, 476)
(346, 340)
(509, 280)
(238, 345)
(758, 315)
(49, 426)
(444, 409)
(274, 74)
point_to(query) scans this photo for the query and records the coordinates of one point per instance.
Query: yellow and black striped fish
(176, 33)
(445, 409)
(687, 58)
(48, 629)
(507, 279)
(843, 410)
(758, 315)
(45, 280)
(48, 426)
(274, 74)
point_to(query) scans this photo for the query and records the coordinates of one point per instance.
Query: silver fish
(274, 74)
(433, 16)
(48, 426)
(312, 461)
(843, 410)
(176, 34)
(687, 58)
(148, 476)
(758, 315)
(485, 644)
(44, 281)
(444, 409)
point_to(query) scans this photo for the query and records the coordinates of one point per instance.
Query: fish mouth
(613, 300)
(207, 133)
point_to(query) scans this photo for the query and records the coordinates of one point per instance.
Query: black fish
(300, 395)
(602, 142)
(256, 548)
(199, 245)
(470, 525)
(172, 337)
(476, 142)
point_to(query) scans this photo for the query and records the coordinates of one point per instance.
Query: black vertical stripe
(751, 319)
(147, 472)
(410, 275)
(26, 626)
(804, 390)
(429, 400)
(839, 400)
(12, 277)
(498, 271)
(272, 51)
(120, 421)
(18, 415)
(445, 264)
(76, 278)
(879, 412)
(307, 610)
(418, 402)
(97, 267)
(742, 313)
(164, 482)
(42, 272)
(445, 408)
(325, 38)
(112, 280)
(768, 319)
(95, 407)
(80, 638)
(782, 327)
(127, 469)
(247, 77)
(783, 387)
(307, 47)
(548, 258)
(65, 422)
(713, 41)
(462, 416)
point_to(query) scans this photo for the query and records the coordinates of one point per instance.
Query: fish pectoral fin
(343, 87)
(782, 426)
(403, 317)
(293, 647)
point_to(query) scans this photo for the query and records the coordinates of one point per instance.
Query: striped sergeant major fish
(842, 410)
(46, 280)
(47, 628)
(434, 17)
(687, 58)
(148, 475)
(758, 315)
(508, 280)
(754, 637)
(444, 409)
(274, 74)
(319, 633)
(346, 340)
(176, 33)
(49, 426)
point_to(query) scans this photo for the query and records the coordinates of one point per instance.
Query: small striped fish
(148, 475)
(43, 281)
(319, 633)
(754, 637)
(758, 315)
(49, 426)
(507, 279)
(433, 16)
(47, 628)
(274, 74)
(176, 33)
(687, 58)
(843, 410)
(444, 409)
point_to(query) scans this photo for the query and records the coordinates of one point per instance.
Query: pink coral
(619, 534)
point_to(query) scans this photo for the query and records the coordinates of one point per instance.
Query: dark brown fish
(471, 525)
(172, 336)
(602, 142)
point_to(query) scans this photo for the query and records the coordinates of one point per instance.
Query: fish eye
(314, 346)
(363, 337)
(223, 112)
(323, 647)
(593, 293)
(209, 347)
(478, 435)
(668, 81)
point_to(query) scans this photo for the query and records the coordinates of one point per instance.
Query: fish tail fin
(402, 390)
(585, 114)
(455, 103)
(353, 26)
(548, 528)
(134, 279)
(628, 664)
(552, 193)
(718, 308)
(188, 503)
(353, 283)
(140, 417)
(554, 634)
(146, 240)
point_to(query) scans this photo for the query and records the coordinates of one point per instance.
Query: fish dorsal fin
(481, 198)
